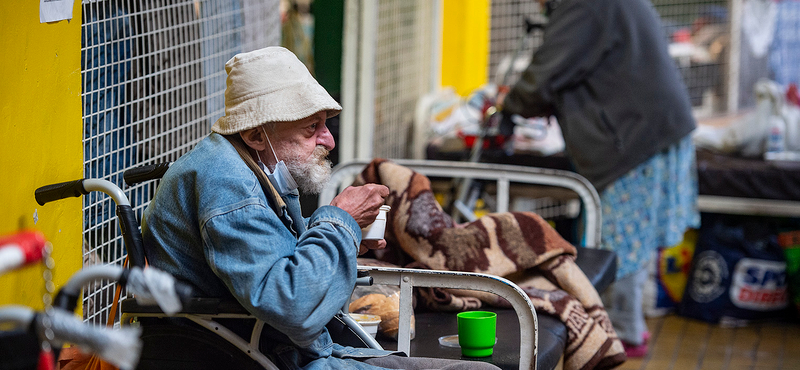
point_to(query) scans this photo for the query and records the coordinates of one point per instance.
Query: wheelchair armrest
(194, 306)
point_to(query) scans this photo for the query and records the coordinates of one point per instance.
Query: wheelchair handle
(76, 188)
(129, 226)
(68, 295)
(148, 172)
(21, 249)
(120, 347)
(363, 278)
(49, 193)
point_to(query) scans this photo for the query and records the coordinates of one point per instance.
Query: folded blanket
(520, 246)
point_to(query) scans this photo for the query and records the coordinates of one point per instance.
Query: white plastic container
(376, 229)
(776, 140)
(368, 322)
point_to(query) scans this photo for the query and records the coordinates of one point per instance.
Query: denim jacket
(210, 224)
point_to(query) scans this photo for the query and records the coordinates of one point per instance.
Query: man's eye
(313, 126)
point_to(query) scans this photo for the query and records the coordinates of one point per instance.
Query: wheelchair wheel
(166, 345)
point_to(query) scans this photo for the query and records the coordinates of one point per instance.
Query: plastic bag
(384, 301)
(738, 272)
(538, 135)
(669, 272)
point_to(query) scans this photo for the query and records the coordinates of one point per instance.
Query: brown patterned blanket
(520, 246)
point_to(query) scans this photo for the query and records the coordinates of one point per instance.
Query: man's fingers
(384, 191)
(372, 244)
(362, 202)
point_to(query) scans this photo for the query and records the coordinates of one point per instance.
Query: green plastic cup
(476, 333)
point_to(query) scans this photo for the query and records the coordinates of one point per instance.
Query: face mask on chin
(280, 178)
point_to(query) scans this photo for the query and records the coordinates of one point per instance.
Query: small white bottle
(776, 140)
(375, 230)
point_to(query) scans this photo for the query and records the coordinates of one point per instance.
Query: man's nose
(325, 138)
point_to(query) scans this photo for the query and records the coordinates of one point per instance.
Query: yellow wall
(40, 138)
(465, 44)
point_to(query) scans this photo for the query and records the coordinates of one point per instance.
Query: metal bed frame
(503, 175)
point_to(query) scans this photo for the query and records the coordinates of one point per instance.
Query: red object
(682, 35)
(469, 140)
(633, 351)
(488, 142)
(637, 351)
(792, 95)
(46, 360)
(31, 243)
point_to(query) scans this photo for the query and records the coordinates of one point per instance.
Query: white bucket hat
(270, 85)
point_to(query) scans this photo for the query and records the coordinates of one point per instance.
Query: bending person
(604, 71)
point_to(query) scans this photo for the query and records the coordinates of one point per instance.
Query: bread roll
(388, 308)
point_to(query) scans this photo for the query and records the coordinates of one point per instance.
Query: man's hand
(362, 202)
(371, 244)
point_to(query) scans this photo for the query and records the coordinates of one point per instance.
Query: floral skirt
(651, 206)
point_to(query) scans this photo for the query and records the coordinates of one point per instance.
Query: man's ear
(254, 138)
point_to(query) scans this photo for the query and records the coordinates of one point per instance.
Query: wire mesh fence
(402, 72)
(699, 36)
(153, 84)
(506, 32)
(698, 32)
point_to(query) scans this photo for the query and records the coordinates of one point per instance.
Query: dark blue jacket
(604, 71)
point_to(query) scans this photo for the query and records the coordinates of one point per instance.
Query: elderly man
(226, 216)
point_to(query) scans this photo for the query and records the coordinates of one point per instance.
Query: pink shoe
(633, 351)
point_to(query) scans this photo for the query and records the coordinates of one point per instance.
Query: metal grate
(507, 28)
(699, 35)
(153, 84)
(703, 61)
(388, 60)
(402, 72)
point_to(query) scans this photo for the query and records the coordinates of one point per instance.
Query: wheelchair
(35, 338)
(213, 333)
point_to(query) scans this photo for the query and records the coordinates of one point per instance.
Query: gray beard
(312, 174)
